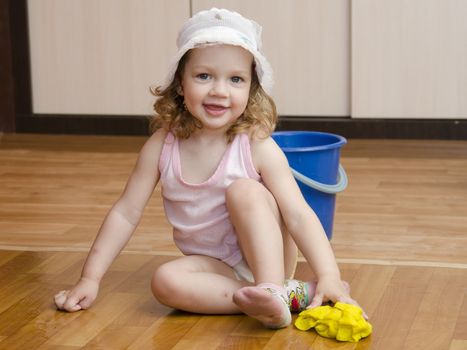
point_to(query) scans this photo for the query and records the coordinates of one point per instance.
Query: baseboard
(444, 129)
(448, 129)
(83, 124)
(15, 12)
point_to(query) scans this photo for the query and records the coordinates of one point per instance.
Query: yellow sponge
(343, 322)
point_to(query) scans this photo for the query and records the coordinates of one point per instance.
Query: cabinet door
(308, 45)
(409, 59)
(100, 56)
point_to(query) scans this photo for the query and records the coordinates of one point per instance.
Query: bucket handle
(342, 182)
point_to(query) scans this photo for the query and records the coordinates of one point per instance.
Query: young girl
(237, 212)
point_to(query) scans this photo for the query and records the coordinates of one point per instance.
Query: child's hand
(334, 290)
(80, 297)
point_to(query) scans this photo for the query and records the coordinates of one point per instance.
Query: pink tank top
(198, 212)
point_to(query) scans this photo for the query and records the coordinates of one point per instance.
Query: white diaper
(242, 272)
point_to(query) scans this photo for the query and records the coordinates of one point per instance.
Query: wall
(409, 59)
(403, 76)
(100, 56)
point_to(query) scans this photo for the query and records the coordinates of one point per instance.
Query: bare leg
(197, 284)
(268, 249)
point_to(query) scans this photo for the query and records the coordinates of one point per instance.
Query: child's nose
(219, 88)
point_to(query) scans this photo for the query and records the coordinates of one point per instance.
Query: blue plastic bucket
(314, 160)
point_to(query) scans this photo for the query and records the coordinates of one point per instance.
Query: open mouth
(214, 109)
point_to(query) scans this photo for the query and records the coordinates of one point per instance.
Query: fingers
(85, 303)
(60, 298)
(316, 301)
(348, 300)
(64, 300)
(319, 298)
(72, 304)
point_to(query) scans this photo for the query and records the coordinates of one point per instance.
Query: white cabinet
(360, 58)
(100, 56)
(409, 59)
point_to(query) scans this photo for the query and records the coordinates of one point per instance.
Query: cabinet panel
(409, 59)
(100, 56)
(308, 45)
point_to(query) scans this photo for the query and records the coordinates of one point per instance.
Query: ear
(180, 89)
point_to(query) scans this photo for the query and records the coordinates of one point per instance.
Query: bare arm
(301, 222)
(117, 228)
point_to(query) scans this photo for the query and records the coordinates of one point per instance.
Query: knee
(244, 192)
(164, 284)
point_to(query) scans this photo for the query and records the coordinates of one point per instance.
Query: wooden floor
(400, 237)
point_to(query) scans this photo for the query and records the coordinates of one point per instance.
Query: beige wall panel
(409, 59)
(308, 45)
(100, 56)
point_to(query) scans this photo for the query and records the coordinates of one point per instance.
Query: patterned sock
(299, 294)
(280, 294)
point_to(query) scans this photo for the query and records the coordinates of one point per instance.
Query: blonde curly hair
(258, 120)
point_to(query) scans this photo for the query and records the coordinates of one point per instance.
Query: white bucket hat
(220, 26)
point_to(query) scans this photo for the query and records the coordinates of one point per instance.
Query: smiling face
(216, 84)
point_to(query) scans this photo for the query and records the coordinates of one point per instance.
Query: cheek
(242, 99)
(190, 93)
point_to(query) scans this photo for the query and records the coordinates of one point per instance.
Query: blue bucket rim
(341, 140)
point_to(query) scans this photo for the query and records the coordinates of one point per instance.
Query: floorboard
(399, 237)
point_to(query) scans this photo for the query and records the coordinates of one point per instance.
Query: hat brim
(224, 36)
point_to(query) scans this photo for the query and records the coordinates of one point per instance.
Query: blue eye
(203, 76)
(236, 79)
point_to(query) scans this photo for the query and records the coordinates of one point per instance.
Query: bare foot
(266, 305)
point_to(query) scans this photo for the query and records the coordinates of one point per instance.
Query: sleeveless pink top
(198, 212)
